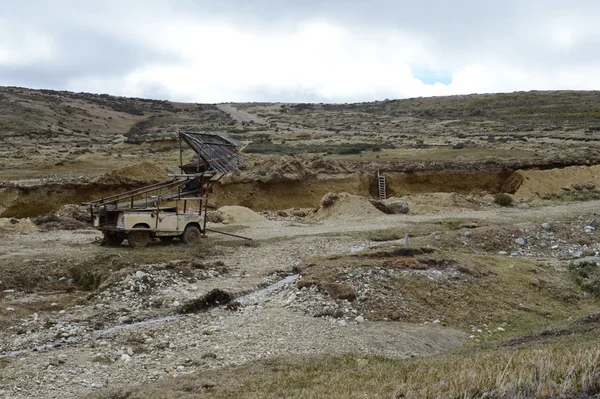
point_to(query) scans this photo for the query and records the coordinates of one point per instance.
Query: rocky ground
(255, 300)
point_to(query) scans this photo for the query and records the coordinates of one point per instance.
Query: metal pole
(229, 234)
(205, 204)
(180, 153)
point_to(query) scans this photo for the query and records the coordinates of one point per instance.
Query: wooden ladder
(381, 185)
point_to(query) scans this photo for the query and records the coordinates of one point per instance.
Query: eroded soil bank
(34, 200)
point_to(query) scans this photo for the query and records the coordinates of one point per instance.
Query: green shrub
(503, 199)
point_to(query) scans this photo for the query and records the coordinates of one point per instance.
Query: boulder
(397, 206)
(328, 199)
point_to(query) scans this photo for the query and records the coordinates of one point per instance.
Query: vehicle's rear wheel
(191, 235)
(138, 238)
(166, 238)
(113, 238)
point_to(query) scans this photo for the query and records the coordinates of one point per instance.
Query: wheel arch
(141, 225)
(195, 224)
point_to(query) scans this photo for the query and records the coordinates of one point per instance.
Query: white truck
(140, 226)
(161, 210)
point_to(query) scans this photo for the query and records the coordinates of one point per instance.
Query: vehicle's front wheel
(191, 235)
(138, 238)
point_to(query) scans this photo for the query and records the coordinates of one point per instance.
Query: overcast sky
(299, 51)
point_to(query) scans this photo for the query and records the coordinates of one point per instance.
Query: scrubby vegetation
(268, 147)
(549, 371)
(503, 199)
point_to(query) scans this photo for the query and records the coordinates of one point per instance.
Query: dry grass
(543, 372)
(461, 290)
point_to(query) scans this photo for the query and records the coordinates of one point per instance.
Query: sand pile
(21, 225)
(141, 173)
(345, 206)
(238, 215)
(531, 184)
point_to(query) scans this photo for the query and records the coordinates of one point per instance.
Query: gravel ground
(112, 342)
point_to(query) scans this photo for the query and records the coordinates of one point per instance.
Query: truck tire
(113, 239)
(191, 235)
(138, 238)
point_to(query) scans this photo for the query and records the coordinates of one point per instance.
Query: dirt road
(238, 115)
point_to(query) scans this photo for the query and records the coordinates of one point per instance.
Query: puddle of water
(357, 248)
(256, 296)
(149, 322)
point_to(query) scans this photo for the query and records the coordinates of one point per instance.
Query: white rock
(500, 329)
(589, 229)
(546, 226)
(176, 303)
(502, 253)
(436, 321)
(342, 323)
(520, 241)
(10, 309)
(140, 274)
(125, 357)
(359, 319)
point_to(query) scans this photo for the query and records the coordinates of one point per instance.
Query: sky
(299, 51)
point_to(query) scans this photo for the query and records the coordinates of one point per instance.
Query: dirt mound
(141, 173)
(21, 225)
(345, 206)
(77, 212)
(238, 215)
(214, 298)
(530, 184)
(68, 217)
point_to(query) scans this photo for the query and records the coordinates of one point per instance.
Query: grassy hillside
(58, 132)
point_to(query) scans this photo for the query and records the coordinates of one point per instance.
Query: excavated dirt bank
(307, 193)
(23, 202)
(17, 201)
(530, 184)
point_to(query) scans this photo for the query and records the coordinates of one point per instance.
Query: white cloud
(218, 62)
(23, 46)
(307, 51)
